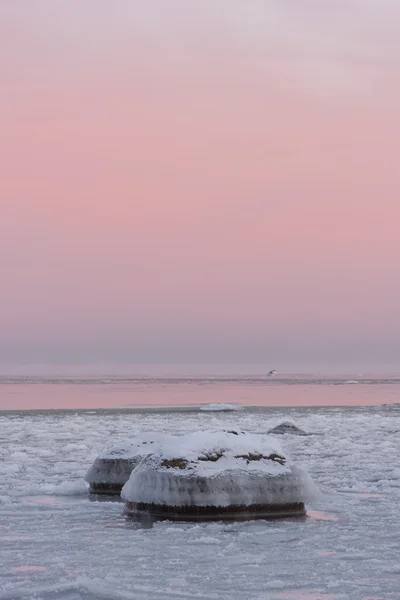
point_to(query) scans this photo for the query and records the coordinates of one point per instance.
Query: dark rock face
(215, 513)
(287, 427)
(105, 489)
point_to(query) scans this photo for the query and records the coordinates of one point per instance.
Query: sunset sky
(205, 181)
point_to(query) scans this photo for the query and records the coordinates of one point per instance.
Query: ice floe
(220, 407)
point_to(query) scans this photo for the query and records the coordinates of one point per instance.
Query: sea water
(55, 542)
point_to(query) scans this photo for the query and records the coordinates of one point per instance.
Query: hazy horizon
(195, 370)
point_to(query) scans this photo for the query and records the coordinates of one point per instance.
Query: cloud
(332, 46)
(342, 46)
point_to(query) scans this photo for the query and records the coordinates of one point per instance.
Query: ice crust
(209, 468)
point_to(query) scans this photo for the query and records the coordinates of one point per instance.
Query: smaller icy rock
(286, 427)
(112, 468)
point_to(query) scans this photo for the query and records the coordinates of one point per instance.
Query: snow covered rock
(287, 427)
(215, 475)
(112, 468)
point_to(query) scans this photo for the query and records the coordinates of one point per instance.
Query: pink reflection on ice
(29, 568)
(369, 495)
(47, 500)
(153, 393)
(304, 595)
(321, 516)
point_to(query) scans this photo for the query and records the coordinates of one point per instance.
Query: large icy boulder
(112, 468)
(286, 427)
(214, 475)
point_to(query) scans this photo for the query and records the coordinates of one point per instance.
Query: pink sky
(206, 181)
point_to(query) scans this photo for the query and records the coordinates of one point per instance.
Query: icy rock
(112, 468)
(287, 427)
(214, 475)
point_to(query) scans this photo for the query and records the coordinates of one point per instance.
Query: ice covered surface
(286, 427)
(143, 444)
(220, 407)
(211, 452)
(220, 469)
(57, 547)
(114, 465)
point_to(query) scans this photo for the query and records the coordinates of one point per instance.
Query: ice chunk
(287, 427)
(241, 472)
(220, 407)
(70, 488)
(83, 589)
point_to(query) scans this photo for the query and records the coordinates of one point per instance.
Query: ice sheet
(347, 549)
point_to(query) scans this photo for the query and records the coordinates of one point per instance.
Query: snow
(196, 446)
(220, 407)
(128, 449)
(347, 548)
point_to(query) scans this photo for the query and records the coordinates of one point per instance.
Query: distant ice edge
(220, 407)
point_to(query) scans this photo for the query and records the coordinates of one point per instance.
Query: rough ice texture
(287, 427)
(217, 469)
(115, 464)
(220, 407)
(356, 462)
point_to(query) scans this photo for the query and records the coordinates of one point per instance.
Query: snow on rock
(217, 469)
(287, 427)
(221, 407)
(112, 468)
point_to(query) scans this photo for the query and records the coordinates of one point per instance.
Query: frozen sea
(57, 543)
